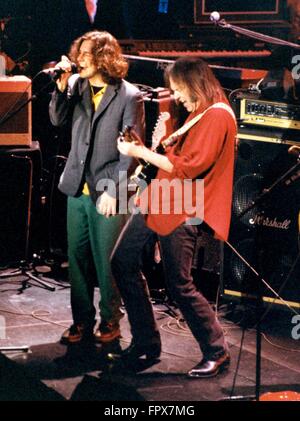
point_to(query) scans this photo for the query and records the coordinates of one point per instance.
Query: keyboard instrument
(206, 54)
(150, 71)
(223, 53)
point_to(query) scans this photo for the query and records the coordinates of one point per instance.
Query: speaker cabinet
(15, 116)
(267, 236)
(20, 172)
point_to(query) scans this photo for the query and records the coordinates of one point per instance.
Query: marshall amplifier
(267, 235)
(15, 114)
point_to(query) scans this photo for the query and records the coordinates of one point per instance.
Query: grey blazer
(94, 155)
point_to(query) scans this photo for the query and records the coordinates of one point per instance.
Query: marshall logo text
(269, 222)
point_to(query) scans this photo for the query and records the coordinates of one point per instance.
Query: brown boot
(76, 333)
(107, 332)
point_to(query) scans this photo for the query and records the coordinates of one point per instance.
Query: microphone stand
(259, 302)
(259, 308)
(11, 114)
(282, 179)
(215, 17)
(251, 34)
(56, 75)
(24, 268)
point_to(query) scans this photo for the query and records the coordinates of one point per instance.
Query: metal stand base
(24, 270)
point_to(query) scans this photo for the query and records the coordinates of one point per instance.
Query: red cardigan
(207, 153)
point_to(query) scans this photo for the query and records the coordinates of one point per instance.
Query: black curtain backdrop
(50, 26)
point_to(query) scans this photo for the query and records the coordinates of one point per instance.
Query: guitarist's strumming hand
(131, 147)
(135, 148)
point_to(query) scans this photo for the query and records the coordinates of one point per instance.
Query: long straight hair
(197, 77)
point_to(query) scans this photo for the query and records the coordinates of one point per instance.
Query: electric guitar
(146, 171)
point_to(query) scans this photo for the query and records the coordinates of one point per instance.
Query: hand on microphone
(62, 71)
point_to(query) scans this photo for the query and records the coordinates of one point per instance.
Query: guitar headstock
(125, 135)
(160, 129)
(130, 135)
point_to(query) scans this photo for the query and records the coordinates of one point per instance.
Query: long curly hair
(107, 55)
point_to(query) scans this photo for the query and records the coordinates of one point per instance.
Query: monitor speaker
(15, 111)
(20, 172)
(267, 236)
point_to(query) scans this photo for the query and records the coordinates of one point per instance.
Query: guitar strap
(194, 120)
(174, 137)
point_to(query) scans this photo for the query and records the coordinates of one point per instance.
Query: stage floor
(51, 371)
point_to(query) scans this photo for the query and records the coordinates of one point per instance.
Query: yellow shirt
(96, 99)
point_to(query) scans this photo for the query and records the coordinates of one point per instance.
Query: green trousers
(91, 238)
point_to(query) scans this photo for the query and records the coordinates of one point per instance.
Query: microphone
(215, 17)
(294, 150)
(56, 73)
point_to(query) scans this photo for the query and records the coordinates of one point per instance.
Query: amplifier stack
(267, 236)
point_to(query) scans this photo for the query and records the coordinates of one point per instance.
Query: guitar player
(203, 150)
